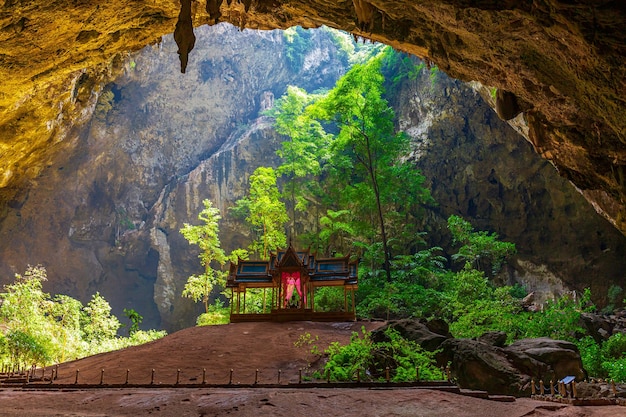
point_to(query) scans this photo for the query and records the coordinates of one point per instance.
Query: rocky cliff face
(483, 170)
(561, 63)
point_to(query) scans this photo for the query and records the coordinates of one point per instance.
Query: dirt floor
(244, 348)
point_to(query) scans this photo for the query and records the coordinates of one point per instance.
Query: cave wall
(480, 168)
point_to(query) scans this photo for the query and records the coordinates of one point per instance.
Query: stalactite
(213, 9)
(365, 13)
(183, 34)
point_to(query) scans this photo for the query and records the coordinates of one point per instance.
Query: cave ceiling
(561, 63)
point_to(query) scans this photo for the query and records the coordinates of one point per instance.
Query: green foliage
(350, 50)
(135, 320)
(301, 154)
(297, 43)
(27, 349)
(399, 67)
(368, 174)
(40, 329)
(206, 236)
(613, 295)
(370, 359)
(265, 212)
(98, 323)
(480, 248)
(329, 299)
(605, 360)
(217, 314)
(434, 70)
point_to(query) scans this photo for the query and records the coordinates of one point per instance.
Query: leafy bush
(371, 359)
(481, 248)
(218, 314)
(40, 329)
(607, 360)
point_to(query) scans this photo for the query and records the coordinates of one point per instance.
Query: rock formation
(105, 216)
(487, 364)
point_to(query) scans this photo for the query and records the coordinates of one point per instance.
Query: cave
(560, 64)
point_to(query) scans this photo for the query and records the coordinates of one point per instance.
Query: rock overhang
(561, 63)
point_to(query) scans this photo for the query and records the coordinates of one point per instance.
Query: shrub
(370, 359)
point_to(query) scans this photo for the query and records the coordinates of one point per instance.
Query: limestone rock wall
(482, 169)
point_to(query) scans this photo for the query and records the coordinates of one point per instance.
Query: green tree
(24, 304)
(335, 230)
(25, 312)
(302, 152)
(480, 248)
(206, 236)
(265, 212)
(66, 314)
(98, 324)
(367, 150)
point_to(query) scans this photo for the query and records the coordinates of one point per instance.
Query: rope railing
(101, 377)
(567, 390)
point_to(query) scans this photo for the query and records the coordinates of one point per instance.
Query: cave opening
(202, 133)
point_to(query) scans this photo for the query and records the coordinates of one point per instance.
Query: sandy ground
(246, 347)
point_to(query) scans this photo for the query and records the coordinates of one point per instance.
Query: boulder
(497, 339)
(508, 371)
(428, 334)
(478, 365)
(559, 358)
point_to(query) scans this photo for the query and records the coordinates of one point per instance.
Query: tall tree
(265, 212)
(301, 152)
(206, 236)
(367, 150)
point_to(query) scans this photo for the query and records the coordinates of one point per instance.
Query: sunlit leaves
(206, 236)
(265, 212)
